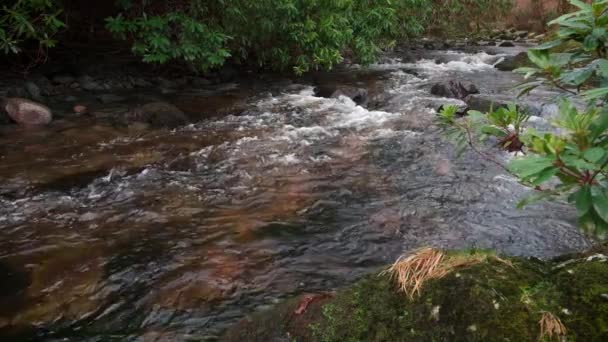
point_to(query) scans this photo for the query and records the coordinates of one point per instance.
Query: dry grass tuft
(551, 327)
(412, 271)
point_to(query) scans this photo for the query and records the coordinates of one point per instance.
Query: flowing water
(149, 235)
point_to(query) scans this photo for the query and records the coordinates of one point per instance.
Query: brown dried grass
(551, 327)
(412, 271)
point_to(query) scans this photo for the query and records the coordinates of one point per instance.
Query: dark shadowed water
(194, 228)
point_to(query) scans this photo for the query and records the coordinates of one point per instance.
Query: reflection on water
(121, 234)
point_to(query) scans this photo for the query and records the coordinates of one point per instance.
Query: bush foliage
(571, 161)
(296, 35)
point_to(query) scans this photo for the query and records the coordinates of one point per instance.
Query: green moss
(584, 295)
(488, 301)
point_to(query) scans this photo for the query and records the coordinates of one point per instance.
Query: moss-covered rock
(492, 300)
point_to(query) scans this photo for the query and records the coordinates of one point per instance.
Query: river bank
(483, 297)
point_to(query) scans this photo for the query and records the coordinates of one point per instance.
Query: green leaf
(494, 131)
(549, 45)
(577, 77)
(582, 200)
(581, 5)
(595, 93)
(544, 176)
(536, 197)
(595, 154)
(600, 202)
(540, 58)
(529, 166)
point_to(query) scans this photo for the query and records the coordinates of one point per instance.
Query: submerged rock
(489, 299)
(454, 89)
(158, 114)
(26, 112)
(358, 95)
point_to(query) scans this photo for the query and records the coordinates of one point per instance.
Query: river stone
(484, 103)
(63, 79)
(88, 83)
(358, 95)
(454, 89)
(158, 115)
(506, 44)
(109, 98)
(33, 90)
(26, 112)
(511, 63)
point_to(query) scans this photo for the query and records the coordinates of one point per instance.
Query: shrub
(461, 17)
(301, 35)
(572, 161)
(29, 21)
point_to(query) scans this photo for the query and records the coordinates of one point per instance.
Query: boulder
(506, 44)
(26, 112)
(158, 115)
(358, 95)
(63, 79)
(480, 297)
(33, 90)
(454, 89)
(109, 98)
(483, 103)
(88, 83)
(511, 63)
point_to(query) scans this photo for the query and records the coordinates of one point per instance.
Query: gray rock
(166, 84)
(33, 90)
(63, 79)
(484, 103)
(358, 95)
(454, 89)
(140, 82)
(506, 44)
(511, 63)
(200, 82)
(158, 115)
(88, 83)
(109, 98)
(26, 112)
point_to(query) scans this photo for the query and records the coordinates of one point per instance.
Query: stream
(120, 234)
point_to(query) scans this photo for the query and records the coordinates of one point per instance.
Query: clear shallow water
(194, 228)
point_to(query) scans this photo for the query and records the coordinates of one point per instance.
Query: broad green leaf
(529, 166)
(544, 176)
(494, 131)
(595, 93)
(595, 155)
(577, 77)
(581, 5)
(536, 197)
(549, 45)
(582, 200)
(601, 66)
(540, 58)
(600, 203)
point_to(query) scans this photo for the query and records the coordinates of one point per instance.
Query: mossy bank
(490, 300)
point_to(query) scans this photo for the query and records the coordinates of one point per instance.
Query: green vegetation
(461, 17)
(483, 298)
(26, 21)
(572, 161)
(294, 35)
